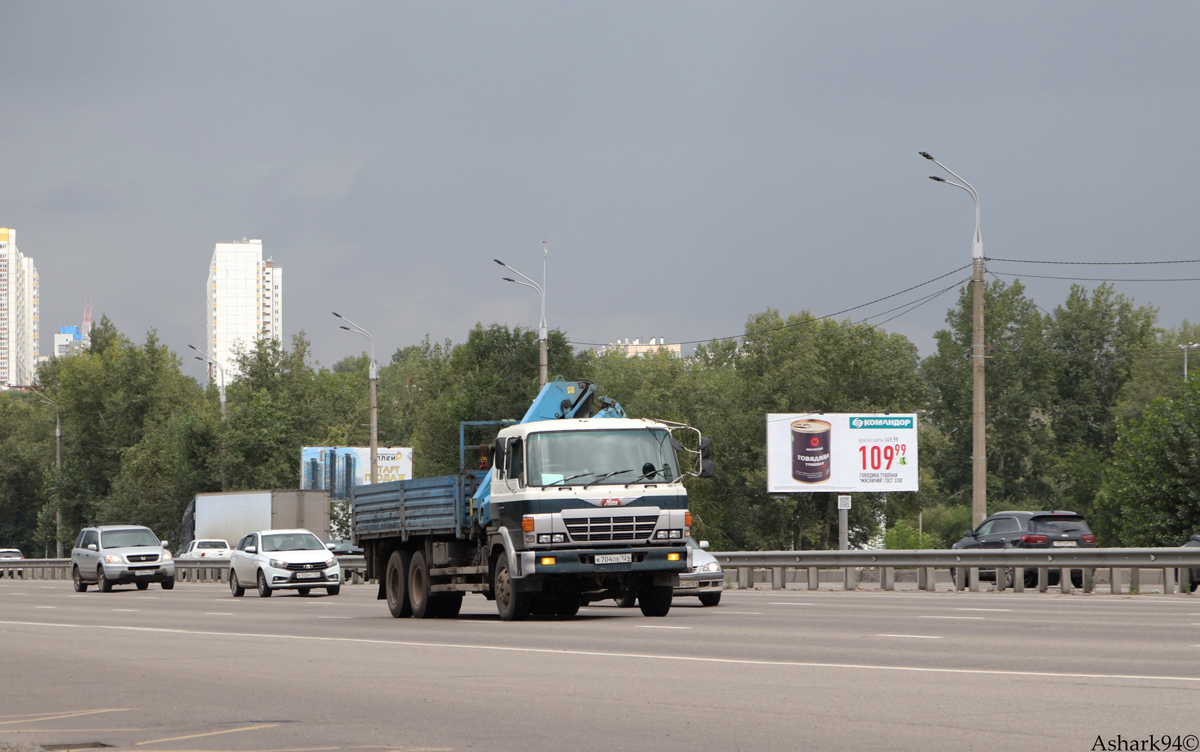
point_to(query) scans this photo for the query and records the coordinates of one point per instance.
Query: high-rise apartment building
(245, 302)
(18, 314)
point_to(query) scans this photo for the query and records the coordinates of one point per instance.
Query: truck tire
(513, 606)
(418, 587)
(447, 605)
(566, 606)
(80, 585)
(629, 600)
(655, 600)
(396, 584)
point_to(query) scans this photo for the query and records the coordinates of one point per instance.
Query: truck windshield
(600, 457)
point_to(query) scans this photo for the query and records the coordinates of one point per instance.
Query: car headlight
(278, 563)
(331, 563)
(712, 566)
(166, 555)
(113, 559)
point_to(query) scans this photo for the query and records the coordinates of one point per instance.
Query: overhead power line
(1096, 279)
(1095, 263)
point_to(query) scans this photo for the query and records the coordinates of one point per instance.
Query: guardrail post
(1114, 580)
(848, 578)
(744, 576)
(777, 578)
(1001, 572)
(887, 578)
(976, 585)
(1135, 580)
(1018, 579)
(922, 579)
(1168, 581)
(1043, 579)
(1065, 586)
(960, 578)
(1089, 579)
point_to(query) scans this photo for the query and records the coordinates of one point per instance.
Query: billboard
(338, 469)
(841, 452)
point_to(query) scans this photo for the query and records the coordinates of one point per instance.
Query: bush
(904, 537)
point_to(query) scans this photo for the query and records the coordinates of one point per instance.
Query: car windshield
(1059, 524)
(291, 542)
(212, 544)
(607, 457)
(128, 538)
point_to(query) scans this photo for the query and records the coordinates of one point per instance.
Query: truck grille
(142, 557)
(611, 528)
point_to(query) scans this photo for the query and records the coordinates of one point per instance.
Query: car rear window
(1059, 524)
(212, 544)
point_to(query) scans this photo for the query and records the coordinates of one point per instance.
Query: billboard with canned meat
(841, 452)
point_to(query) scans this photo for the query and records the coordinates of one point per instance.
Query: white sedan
(283, 560)
(205, 550)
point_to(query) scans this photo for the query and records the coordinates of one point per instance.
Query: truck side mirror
(705, 447)
(706, 469)
(501, 454)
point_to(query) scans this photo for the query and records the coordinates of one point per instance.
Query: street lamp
(979, 430)
(373, 376)
(543, 340)
(1185, 348)
(202, 356)
(57, 463)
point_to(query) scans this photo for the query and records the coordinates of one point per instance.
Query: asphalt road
(195, 669)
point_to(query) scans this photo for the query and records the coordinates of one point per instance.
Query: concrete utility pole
(978, 418)
(1185, 348)
(58, 545)
(373, 378)
(543, 338)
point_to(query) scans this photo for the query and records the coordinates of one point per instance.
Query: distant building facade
(245, 302)
(18, 314)
(69, 341)
(634, 348)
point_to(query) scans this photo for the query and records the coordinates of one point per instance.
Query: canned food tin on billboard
(810, 451)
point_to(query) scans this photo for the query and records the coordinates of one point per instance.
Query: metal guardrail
(353, 570)
(967, 564)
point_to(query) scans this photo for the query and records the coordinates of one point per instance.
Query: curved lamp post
(202, 356)
(1185, 348)
(373, 374)
(58, 546)
(978, 423)
(543, 340)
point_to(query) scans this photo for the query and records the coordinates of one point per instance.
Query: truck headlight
(278, 563)
(676, 533)
(558, 538)
(660, 534)
(113, 559)
(543, 538)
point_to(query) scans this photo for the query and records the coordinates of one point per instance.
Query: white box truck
(230, 515)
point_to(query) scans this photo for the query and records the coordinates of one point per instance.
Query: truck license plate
(307, 575)
(1065, 544)
(614, 558)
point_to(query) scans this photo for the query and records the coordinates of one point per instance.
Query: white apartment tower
(18, 314)
(245, 302)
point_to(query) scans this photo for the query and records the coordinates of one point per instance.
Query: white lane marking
(743, 613)
(335, 617)
(933, 637)
(983, 609)
(148, 597)
(216, 613)
(49, 587)
(980, 618)
(127, 610)
(473, 621)
(45, 606)
(792, 604)
(656, 626)
(603, 654)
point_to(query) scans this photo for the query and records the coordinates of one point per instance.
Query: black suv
(1053, 529)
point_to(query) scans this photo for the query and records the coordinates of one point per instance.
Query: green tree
(27, 445)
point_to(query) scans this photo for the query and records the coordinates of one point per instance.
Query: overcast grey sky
(689, 164)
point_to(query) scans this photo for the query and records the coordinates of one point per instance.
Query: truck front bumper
(655, 559)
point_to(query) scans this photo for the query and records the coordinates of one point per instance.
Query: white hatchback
(283, 560)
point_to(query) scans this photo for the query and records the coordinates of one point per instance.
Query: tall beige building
(18, 314)
(245, 301)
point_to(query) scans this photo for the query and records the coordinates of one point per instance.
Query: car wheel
(235, 587)
(512, 605)
(710, 599)
(447, 606)
(655, 600)
(80, 585)
(142, 585)
(264, 590)
(303, 590)
(396, 584)
(333, 589)
(104, 583)
(168, 584)
(1077, 578)
(1030, 578)
(418, 587)
(629, 600)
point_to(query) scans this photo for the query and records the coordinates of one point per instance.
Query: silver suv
(107, 555)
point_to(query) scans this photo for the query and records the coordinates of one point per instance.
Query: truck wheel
(710, 599)
(629, 600)
(234, 586)
(655, 600)
(447, 605)
(513, 606)
(80, 585)
(104, 583)
(418, 587)
(264, 590)
(568, 606)
(396, 584)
